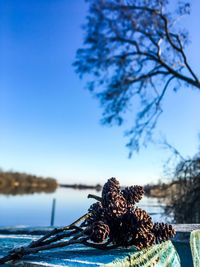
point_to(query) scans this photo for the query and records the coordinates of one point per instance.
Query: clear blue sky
(49, 125)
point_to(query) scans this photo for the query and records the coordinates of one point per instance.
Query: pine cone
(142, 238)
(97, 213)
(133, 194)
(163, 232)
(139, 218)
(99, 231)
(112, 185)
(125, 235)
(139, 227)
(119, 233)
(115, 205)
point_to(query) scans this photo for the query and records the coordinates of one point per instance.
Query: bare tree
(184, 198)
(134, 50)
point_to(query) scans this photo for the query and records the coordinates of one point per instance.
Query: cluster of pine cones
(117, 218)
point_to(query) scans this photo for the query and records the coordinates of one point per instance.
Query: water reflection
(15, 183)
(35, 209)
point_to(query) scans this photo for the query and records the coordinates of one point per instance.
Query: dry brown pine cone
(97, 213)
(133, 229)
(142, 238)
(163, 232)
(137, 224)
(99, 231)
(120, 233)
(133, 194)
(139, 218)
(115, 205)
(112, 185)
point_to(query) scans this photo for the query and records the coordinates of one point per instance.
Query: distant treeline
(159, 190)
(97, 187)
(13, 183)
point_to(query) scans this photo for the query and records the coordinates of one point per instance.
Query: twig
(44, 243)
(58, 230)
(20, 252)
(61, 236)
(95, 197)
(58, 237)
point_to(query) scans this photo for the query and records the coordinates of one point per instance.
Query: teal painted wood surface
(79, 255)
(184, 252)
(195, 247)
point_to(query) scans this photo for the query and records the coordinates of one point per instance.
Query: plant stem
(20, 252)
(58, 230)
(43, 244)
(56, 238)
(95, 197)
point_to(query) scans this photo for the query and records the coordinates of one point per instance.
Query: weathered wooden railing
(182, 251)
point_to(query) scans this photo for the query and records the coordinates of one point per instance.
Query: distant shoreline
(14, 183)
(97, 187)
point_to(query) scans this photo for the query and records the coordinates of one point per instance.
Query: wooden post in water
(53, 211)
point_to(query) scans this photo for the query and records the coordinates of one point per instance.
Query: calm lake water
(35, 209)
